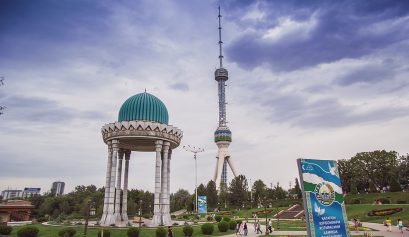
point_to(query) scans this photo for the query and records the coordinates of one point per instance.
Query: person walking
(245, 229)
(237, 228)
(258, 230)
(270, 226)
(400, 226)
(389, 224)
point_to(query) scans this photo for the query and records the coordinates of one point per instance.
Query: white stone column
(167, 207)
(157, 217)
(111, 202)
(107, 184)
(125, 190)
(164, 186)
(118, 189)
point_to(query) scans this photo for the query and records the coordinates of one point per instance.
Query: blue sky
(317, 79)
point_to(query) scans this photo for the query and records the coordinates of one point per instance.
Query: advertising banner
(323, 200)
(202, 204)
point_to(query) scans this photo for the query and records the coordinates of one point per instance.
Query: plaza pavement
(381, 231)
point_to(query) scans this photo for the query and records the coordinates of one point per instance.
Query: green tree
(395, 186)
(259, 190)
(211, 193)
(201, 190)
(179, 200)
(238, 191)
(297, 189)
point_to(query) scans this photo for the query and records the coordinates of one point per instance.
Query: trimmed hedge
(188, 231)
(227, 219)
(223, 226)
(232, 224)
(160, 232)
(133, 232)
(67, 232)
(5, 230)
(218, 218)
(207, 228)
(107, 233)
(28, 231)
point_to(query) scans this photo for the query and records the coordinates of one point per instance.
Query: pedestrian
(389, 224)
(237, 228)
(356, 224)
(170, 232)
(245, 229)
(270, 226)
(258, 228)
(400, 226)
(241, 231)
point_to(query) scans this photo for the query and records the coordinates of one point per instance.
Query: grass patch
(361, 212)
(369, 198)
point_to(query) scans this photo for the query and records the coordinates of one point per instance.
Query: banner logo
(325, 193)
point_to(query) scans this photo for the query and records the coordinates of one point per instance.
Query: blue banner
(202, 204)
(323, 199)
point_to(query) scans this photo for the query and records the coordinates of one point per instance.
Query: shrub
(227, 219)
(160, 232)
(218, 218)
(133, 232)
(173, 216)
(401, 202)
(207, 228)
(28, 231)
(185, 217)
(42, 219)
(223, 226)
(67, 232)
(209, 218)
(5, 230)
(107, 233)
(188, 230)
(232, 224)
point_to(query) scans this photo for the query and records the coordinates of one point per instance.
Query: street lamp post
(140, 213)
(194, 150)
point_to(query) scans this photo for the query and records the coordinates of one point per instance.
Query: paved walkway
(381, 231)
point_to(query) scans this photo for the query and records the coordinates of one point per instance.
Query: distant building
(57, 188)
(11, 194)
(29, 192)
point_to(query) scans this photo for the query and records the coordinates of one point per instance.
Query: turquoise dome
(143, 106)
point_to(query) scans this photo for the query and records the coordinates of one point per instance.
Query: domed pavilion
(142, 127)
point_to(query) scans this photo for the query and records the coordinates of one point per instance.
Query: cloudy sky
(317, 79)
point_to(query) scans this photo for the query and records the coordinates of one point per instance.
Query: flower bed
(263, 212)
(384, 212)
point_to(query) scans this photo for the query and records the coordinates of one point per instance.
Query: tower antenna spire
(220, 40)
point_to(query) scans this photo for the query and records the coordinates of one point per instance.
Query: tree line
(375, 171)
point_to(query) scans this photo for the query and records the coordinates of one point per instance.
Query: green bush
(218, 218)
(223, 226)
(42, 219)
(173, 216)
(185, 217)
(160, 232)
(188, 230)
(133, 232)
(67, 232)
(207, 228)
(232, 224)
(401, 202)
(5, 230)
(28, 231)
(209, 218)
(107, 233)
(227, 219)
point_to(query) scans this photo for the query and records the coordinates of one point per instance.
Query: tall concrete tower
(222, 135)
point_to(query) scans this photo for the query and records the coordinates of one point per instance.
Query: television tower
(222, 135)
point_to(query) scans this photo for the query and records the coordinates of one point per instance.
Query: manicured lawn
(369, 198)
(50, 231)
(361, 212)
